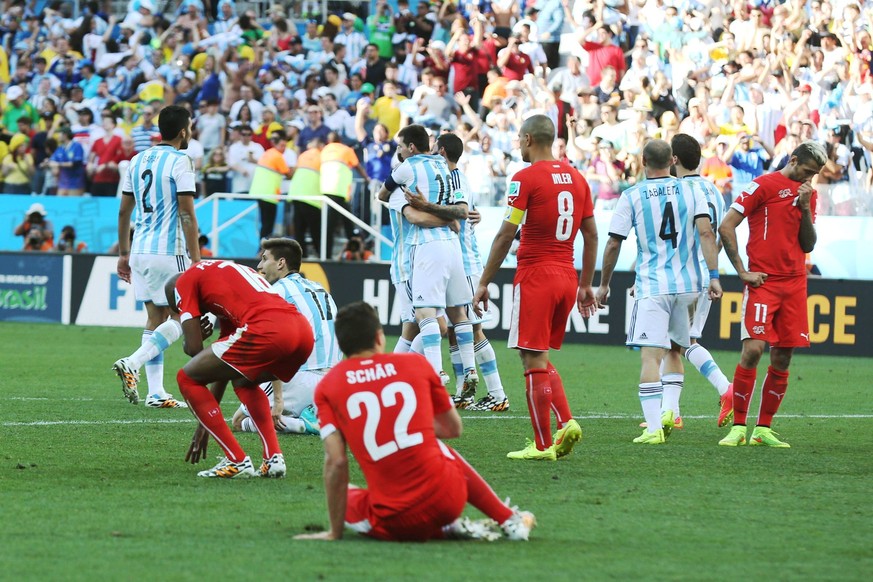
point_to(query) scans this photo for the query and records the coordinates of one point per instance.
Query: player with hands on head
(780, 208)
(665, 214)
(553, 201)
(391, 411)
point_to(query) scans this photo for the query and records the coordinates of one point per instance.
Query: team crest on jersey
(758, 330)
(785, 193)
(512, 193)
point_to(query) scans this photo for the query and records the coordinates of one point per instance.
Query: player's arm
(424, 219)
(499, 250)
(336, 482)
(610, 258)
(457, 211)
(189, 224)
(125, 211)
(807, 236)
(447, 425)
(728, 233)
(192, 336)
(710, 253)
(585, 299)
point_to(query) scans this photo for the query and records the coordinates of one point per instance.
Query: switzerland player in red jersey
(391, 409)
(263, 337)
(781, 212)
(554, 201)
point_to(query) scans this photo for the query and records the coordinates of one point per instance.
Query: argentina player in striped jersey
(160, 185)
(687, 154)
(293, 411)
(437, 280)
(665, 214)
(450, 146)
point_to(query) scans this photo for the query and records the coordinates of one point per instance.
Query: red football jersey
(384, 407)
(769, 203)
(556, 198)
(235, 293)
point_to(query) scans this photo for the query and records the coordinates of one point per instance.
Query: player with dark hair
(781, 208)
(391, 410)
(263, 338)
(553, 201)
(160, 185)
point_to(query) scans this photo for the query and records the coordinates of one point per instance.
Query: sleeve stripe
(618, 236)
(739, 208)
(705, 215)
(327, 430)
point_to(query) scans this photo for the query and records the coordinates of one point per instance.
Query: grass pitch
(93, 488)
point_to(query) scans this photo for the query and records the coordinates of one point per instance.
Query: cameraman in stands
(38, 232)
(67, 242)
(355, 250)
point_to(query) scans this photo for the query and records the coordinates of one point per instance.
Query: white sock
(416, 346)
(464, 335)
(402, 346)
(672, 384)
(154, 370)
(292, 425)
(458, 368)
(165, 334)
(247, 425)
(431, 342)
(650, 399)
(700, 358)
(487, 360)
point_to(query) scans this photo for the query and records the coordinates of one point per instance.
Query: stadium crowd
(750, 79)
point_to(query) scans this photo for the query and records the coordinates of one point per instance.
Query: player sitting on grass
(392, 410)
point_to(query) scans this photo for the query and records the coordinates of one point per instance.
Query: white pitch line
(476, 417)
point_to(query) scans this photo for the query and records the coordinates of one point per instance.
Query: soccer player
(687, 154)
(664, 213)
(293, 412)
(160, 184)
(780, 207)
(450, 146)
(391, 410)
(437, 280)
(263, 338)
(554, 202)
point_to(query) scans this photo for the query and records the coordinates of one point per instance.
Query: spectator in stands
(336, 181)
(602, 52)
(17, 106)
(68, 164)
(355, 249)
(215, 172)
(38, 233)
(17, 167)
(106, 153)
(242, 157)
(315, 128)
(748, 158)
(267, 181)
(67, 242)
(143, 133)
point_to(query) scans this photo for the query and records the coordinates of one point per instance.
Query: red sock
(480, 495)
(261, 414)
(744, 386)
(539, 403)
(772, 394)
(560, 406)
(206, 409)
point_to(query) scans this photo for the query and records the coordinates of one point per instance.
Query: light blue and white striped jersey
(662, 212)
(155, 176)
(429, 174)
(715, 204)
(319, 309)
(401, 265)
(469, 247)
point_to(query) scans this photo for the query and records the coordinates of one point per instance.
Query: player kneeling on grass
(392, 410)
(263, 338)
(293, 411)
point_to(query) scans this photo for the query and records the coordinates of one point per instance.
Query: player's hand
(199, 442)
(804, 193)
(416, 200)
(474, 217)
(206, 326)
(278, 409)
(753, 279)
(601, 296)
(480, 300)
(714, 289)
(123, 269)
(632, 291)
(455, 226)
(325, 536)
(586, 301)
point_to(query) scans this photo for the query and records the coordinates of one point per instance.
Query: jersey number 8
(564, 229)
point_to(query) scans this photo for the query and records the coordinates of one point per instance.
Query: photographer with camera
(355, 250)
(67, 242)
(38, 232)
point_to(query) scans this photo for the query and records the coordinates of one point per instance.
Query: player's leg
(486, 359)
(457, 364)
(649, 330)
(409, 327)
(772, 394)
(299, 415)
(430, 276)
(565, 302)
(700, 358)
(261, 415)
(459, 297)
(672, 381)
(538, 392)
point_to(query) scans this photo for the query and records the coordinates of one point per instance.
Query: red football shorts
(543, 298)
(776, 312)
(276, 344)
(439, 507)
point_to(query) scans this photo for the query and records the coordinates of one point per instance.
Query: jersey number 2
(564, 229)
(148, 178)
(402, 439)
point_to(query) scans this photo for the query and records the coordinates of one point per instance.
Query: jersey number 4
(668, 225)
(373, 404)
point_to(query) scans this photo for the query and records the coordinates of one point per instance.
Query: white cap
(14, 92)
(37, 208)
(276, 85)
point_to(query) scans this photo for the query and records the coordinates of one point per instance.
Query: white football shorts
(699, 313)
(149, 274)
(297, 394)
(658, 320)
(438, 277)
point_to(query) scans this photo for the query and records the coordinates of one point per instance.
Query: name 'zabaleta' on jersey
(316, 304)
(662, 212)
(155, 177)
(429, 175)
